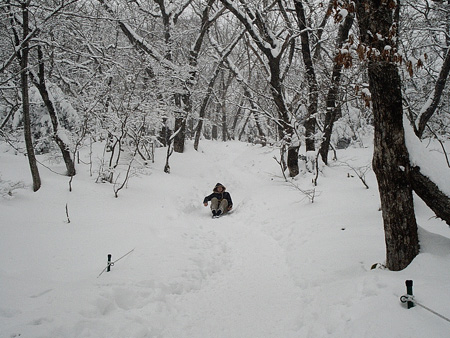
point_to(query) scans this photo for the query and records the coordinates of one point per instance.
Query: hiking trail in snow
(277, 266)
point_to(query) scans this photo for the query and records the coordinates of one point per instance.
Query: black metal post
(409, 291)
(108, 268)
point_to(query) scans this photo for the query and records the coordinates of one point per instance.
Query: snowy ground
(278, 266)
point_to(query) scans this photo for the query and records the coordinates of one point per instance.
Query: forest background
(305, 76)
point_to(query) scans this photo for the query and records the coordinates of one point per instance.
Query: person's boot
(214, 212)
(218, 213)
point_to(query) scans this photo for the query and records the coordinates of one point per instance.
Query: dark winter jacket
(219, 195)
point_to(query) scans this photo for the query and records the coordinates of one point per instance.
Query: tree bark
(332, 96)
(310, 123)
(223, 107)
(286, 132)
(215, 132)
(180, 129)
(26, 101)
(391, 158)
(391, 166)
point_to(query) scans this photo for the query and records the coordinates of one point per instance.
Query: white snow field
(278, 266)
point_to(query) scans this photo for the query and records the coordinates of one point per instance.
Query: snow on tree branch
(138, 40)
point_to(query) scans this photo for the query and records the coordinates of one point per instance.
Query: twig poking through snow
(67, 213)
(310, 193)
(359, 171)
(281, 166)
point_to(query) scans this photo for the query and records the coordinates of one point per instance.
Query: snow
(431, 161)
(277, 266)
(343, 13)
(366, 92)
(63, 136)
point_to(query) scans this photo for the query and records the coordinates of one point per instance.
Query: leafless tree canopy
(303, 76)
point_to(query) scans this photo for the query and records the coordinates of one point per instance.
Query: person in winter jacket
(220, 200)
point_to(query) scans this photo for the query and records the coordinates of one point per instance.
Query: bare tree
(425, 40)
(310, 123)
(170, 14)
(273, 46)
(223, 54)
(40, 83)
(341, 60)
(23, 57)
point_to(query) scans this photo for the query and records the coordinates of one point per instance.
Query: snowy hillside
(278, 266)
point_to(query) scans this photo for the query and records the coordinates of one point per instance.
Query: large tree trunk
(391, 166)
(391, 158)
(26, 102)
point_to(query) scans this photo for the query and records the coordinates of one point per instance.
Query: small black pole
(108, 268)
(409, 291)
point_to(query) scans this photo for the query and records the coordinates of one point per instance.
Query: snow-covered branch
(138, 40)
(250, 20)
(33, 33)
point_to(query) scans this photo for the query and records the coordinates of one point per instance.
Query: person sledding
(220, 200)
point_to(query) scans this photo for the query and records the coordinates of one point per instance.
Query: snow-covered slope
(278, 266)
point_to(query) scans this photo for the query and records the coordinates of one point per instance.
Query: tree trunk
(180, 129)
(292, 161)
(26, 102)
(286, 132)
(391, 166)
(214, 132)
(224, 121)
(261, 134)
(391, 158)
(331, 100)
(310, 123)
(205, 101)
(254, 111)
(223, 106)
(41, 86)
